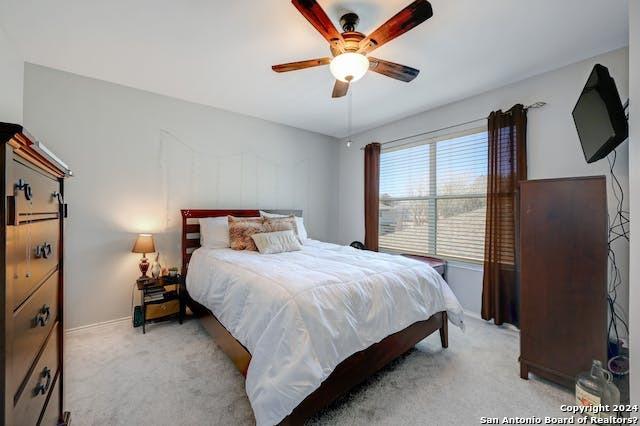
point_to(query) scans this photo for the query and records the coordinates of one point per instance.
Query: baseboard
(97, 325)
(469, 314)
(477, 316)
(473, 315)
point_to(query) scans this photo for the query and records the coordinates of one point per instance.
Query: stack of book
(145, 281)
(153, 293)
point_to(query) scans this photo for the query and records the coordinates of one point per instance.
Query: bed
(306, 327)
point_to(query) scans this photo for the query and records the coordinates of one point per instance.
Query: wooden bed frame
(348, 374)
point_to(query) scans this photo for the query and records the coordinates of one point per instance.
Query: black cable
(625, 109)
(618, 228)
(621, 219)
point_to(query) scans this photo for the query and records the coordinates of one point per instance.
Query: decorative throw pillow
(214, 232)
(302, 231)
(275, 224)
(276, 242)
(241, 230)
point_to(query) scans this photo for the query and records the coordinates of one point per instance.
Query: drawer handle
(43, 316)
(44, 250)
(58, 197)
(23, 186)
(40, 387)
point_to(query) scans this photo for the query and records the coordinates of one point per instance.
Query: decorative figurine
(156, 268)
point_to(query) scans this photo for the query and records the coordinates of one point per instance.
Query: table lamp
(144, 244)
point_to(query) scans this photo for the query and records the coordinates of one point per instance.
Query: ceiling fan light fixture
(351, 47)
(349, 67)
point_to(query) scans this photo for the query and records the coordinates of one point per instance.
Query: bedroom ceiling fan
(349, 49)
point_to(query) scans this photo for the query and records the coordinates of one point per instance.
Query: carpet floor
(176, 375)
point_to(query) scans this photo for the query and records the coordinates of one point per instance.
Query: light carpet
(176, 375)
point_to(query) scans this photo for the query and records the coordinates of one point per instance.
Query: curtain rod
(532, 106)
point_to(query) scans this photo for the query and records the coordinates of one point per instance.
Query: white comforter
(302, 313)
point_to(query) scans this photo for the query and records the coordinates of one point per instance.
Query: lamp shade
(144, 244)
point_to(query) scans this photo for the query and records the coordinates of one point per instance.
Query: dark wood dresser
(563, 277)
(31, 339)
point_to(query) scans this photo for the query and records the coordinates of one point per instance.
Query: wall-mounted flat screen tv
(599, 116)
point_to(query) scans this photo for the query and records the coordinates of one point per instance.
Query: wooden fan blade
(393, 70)
(408, 18)
(340, 89)
(311, 10)
(300, 65)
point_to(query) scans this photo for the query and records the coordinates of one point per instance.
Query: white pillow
(276, 242)
(214, 232)
(302, 232)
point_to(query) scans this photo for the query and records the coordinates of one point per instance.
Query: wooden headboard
(191, 226)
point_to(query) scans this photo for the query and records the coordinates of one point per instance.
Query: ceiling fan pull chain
(350, 117)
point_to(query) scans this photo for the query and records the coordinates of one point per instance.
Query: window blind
(433, 197)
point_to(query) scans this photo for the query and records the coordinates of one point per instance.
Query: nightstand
(162, 299)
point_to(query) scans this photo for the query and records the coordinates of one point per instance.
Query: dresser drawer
(34, 192)
(162, 309)
(51, 414)
(30, 403)
(32, 252)
(31, 326)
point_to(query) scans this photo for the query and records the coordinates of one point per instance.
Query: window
(433, 197)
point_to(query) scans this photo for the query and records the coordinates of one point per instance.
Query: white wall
(634, 192)
(553, 148)
(11, 81)
(139, 158)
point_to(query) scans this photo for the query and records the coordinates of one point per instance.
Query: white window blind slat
(446, 182)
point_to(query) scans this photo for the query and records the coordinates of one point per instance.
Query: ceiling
(220, 52)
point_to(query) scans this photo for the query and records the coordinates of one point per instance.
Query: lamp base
(144, 266)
